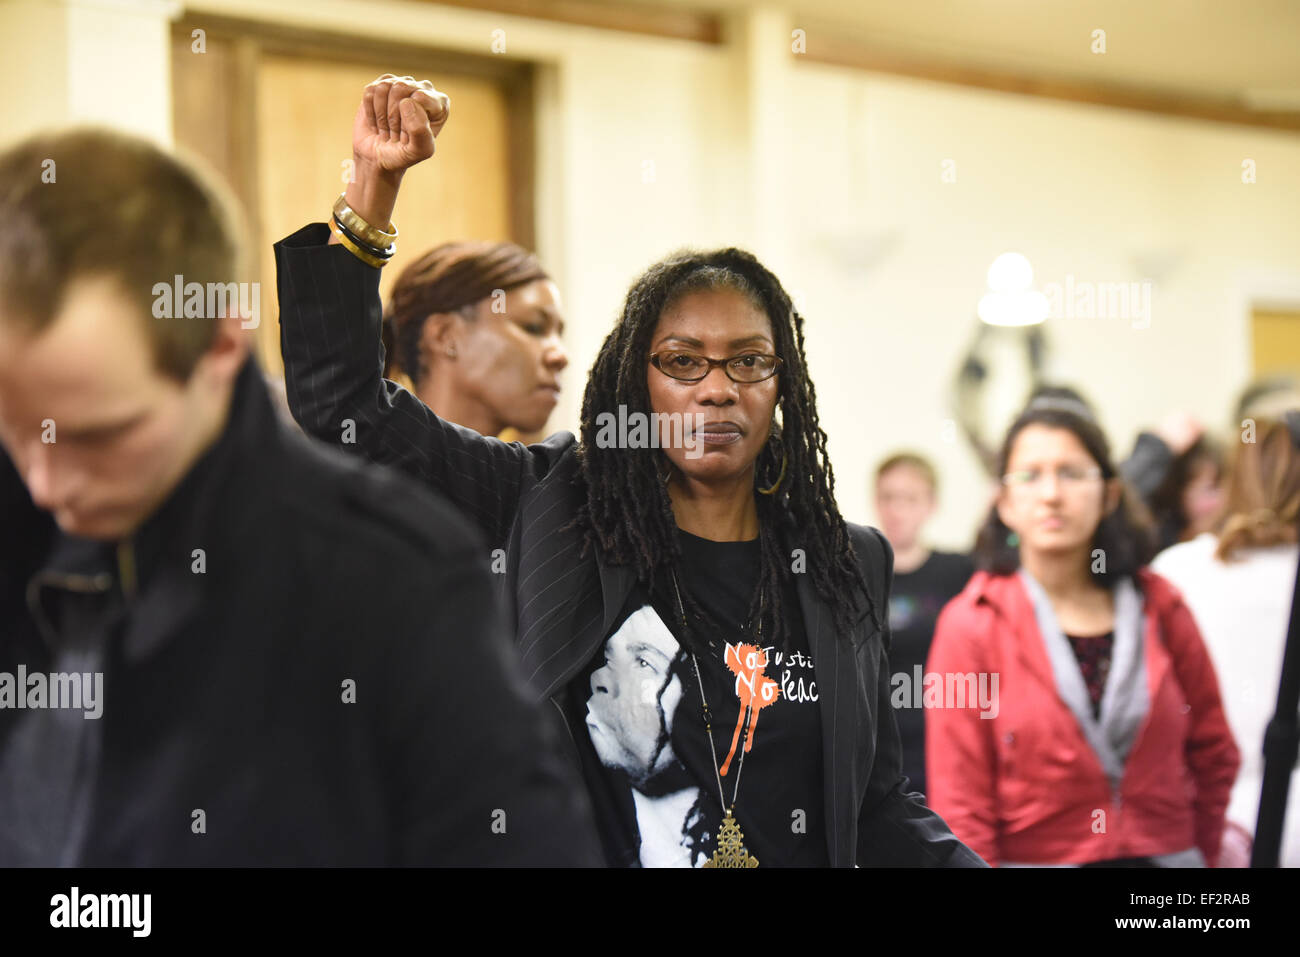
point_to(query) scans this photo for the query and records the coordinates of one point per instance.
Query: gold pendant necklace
(731, 850)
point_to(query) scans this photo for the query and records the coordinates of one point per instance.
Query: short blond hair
(916, 461)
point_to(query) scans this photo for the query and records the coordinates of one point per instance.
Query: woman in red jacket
(1105, 741)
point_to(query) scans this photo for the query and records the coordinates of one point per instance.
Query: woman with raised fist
(685, 592)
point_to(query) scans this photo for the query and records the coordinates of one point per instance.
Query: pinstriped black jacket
(564, 605)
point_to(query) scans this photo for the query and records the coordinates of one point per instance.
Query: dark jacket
(563, 606)
(1148, 465)
(279, 579)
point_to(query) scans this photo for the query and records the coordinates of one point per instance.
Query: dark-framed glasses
(692, 367)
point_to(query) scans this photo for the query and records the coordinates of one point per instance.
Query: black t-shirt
(636, 716)
(914, 606)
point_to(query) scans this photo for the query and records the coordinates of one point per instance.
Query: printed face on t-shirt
(633, 697)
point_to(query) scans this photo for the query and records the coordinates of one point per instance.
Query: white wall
(86, 61)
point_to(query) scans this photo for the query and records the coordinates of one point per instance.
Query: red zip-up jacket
(1024, 786)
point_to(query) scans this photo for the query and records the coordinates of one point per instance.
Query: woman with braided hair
(685, 592)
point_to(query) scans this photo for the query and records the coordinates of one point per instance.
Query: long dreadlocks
(628, 517)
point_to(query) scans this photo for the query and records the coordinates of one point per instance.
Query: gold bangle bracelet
(371, 235)
(356, 250)
(385, 253)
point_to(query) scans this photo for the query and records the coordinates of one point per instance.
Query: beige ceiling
(1222, 48)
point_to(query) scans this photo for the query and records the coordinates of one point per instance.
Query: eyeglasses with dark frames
(692, 367)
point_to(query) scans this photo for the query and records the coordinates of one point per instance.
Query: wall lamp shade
(1010, 301)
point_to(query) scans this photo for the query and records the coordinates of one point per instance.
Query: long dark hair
(628, 518)
(1171, 520)
(1124, 535)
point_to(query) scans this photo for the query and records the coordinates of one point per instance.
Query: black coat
(224, 687)
(564, 606)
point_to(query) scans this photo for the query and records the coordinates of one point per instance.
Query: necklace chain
(708, 718)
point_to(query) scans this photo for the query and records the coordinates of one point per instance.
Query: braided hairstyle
(627, 517)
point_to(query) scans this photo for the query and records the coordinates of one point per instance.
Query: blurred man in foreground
(209, 653)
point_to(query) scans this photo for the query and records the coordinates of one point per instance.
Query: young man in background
(906, 492)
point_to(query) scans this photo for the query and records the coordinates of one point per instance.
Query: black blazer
(563, 605)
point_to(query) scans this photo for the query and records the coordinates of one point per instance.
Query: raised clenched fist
(396, 122)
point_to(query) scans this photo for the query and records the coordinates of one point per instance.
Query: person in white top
(1238, 582)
